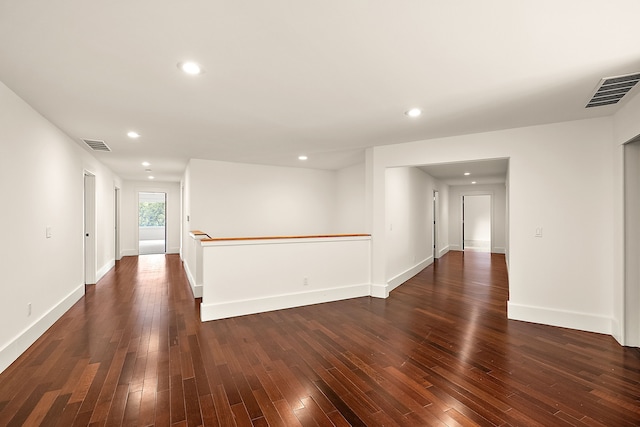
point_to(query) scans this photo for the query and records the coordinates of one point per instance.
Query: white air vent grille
(96, 145)
(612, 89)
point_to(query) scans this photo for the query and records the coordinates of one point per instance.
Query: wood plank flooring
(438, 352)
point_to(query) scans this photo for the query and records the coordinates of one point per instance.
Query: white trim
(105, 269)
(18, 345)
(196, 289)
(379, 290)
(454, 247)
(279, 302)
(398, 280)
(175, 250)
(129, 252)
(498, 250)
(562, 318)
(442, 252)
(616, 330)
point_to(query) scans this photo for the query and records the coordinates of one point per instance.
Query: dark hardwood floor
(438, 351)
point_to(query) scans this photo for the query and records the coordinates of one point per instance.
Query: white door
(90, 257)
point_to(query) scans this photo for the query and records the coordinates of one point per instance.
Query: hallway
(438, 351)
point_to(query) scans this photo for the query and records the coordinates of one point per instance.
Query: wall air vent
(612, 89)
(96, 145)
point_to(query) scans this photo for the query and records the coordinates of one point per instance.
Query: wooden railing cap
(312, 236)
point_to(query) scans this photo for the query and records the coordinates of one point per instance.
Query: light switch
(538, 231)
(49, 232)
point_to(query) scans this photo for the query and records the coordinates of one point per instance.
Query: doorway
(116, 224)
(476, 223)
(90, 245)
(434, 234)
(152, 233)
(632, 243)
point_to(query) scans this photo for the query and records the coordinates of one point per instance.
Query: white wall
(41, 182)
(226, 199)
(409, 221)
(499, 208)
(561, 179)
(129, 233)
(283, 273)
(350, 203)
(443, 219)
(235, 199)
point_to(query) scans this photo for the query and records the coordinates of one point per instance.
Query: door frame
(631, 176)
(436, 222)
(166, 214)
(116, 225)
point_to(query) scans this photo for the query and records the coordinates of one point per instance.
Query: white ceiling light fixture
(473, 182)
(152, 177)
(133, 135)
(303, 157)
(145, 164)
(414, 112)
(467, 173)
(190, 67)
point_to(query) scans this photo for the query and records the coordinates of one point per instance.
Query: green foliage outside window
(151, 214)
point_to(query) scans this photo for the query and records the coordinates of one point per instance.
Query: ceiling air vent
(96, 145)
(612, 89)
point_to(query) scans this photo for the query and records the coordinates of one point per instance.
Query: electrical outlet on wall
(305, 282)
(29, 309)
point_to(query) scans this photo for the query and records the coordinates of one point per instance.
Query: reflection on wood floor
(438, 351)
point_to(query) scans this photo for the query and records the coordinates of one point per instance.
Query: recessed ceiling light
(467, 173)
(414, 112)
(302, 157)
(146, 164)
(473, 182)
(190, 67)
(133, 134)
(152, 177)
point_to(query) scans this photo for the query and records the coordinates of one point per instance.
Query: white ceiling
(492, 171)
(285, 77)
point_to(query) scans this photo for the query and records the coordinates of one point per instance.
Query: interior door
(90, 246)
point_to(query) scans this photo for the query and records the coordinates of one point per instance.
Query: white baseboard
(498, 250)
(398, 280)
(616, 331)
(379, 290)
(562, 318)
(105, 269)
(196, 289)
(135, 252)
(455, 248)
(442, 252)
(10, 352)
(279, 302)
